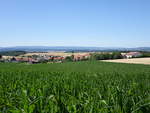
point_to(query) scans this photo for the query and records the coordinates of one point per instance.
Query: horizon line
(72, 46)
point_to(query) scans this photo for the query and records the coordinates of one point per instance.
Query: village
(60, 57)
(45, 58)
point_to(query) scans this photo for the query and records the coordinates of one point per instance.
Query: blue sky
(100, 23)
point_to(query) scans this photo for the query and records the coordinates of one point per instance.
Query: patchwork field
(132, 61)
(74, 87)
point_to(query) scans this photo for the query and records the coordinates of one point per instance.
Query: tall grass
(81, 87)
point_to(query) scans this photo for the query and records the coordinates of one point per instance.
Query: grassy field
(79, 87)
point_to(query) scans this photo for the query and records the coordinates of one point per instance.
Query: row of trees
(99, 56)
(12, 53)
(145, 54)
(106, 56)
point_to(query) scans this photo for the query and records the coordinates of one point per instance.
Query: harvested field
(56, 53)
(133, 61)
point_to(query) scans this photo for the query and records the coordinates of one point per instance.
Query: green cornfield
(74, 87)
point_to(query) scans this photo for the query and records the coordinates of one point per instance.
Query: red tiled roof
(59, 58)
(133, 53)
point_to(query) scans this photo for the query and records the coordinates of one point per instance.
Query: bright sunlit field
(74, 87)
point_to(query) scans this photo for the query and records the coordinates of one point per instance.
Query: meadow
(74, 87)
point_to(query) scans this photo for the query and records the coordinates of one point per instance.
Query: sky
(91, 23)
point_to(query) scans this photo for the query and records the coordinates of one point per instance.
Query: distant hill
(12, 53)
(68, 49)
(144, 48)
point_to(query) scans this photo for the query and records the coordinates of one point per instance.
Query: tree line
(106, 56)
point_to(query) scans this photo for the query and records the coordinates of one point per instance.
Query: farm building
(131, 54)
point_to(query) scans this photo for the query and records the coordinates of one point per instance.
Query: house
(26, 59)
(81, 57)
(131, 55)
(78, 57)
(59, 58)
(22, 59)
